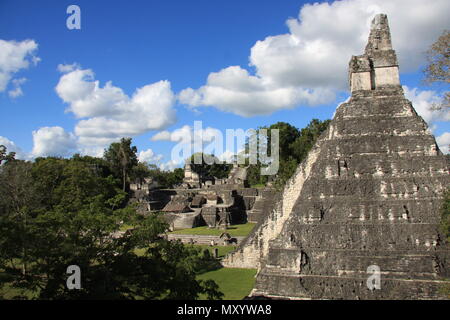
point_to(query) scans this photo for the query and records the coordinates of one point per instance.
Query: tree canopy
(294, 146)
(60, 212)
(5, 157)
(57, 212)
(122, 158)
(210, 166)
(438, 63)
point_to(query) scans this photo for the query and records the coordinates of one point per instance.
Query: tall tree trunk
(124, 174)
(24, 250)
(124, 163)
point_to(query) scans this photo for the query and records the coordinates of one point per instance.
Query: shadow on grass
(208, 262)
(234, 283)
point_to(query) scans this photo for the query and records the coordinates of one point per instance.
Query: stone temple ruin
(216, 203)
(192, 180)
(200, 200)
(368, 194)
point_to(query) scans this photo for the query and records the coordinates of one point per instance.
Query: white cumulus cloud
(228, 157)
(443, 142)
(233, 90)
(12, 147)
(107, 113)
(14, 57)
(93, 151)
(308, 64)
(17, 91)
(53, 141)
(68, 67)
(187, 134)
(190, 140)
(169, 165)
(149, 156)
(423, 102)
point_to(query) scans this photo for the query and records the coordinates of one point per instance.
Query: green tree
(174, 177)
(140, 171)
(61, 212)
(287, 134)
(17, 202)
(294, 147)
(165, 179)
(299, 149)
(5, 157)
(438, 63)
(210, 166)
(122, 158)
(306, 139)
(254, 176)
(98, 165)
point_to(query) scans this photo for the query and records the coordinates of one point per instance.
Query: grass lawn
(9, 293)
(258, 186)
(234, 283)
(125, 227)
(234, 230)
(140, 252)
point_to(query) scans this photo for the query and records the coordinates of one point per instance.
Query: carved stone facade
(191, 178)
(378, 66)
(217, 204)
(369, 193)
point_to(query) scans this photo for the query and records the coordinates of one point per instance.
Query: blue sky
(265, 69)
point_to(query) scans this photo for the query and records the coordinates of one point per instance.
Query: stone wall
(204, 239)
(372, 197)
(253, 249)
(369, 194)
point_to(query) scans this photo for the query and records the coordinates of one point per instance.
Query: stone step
(202, 239)
(262, 207)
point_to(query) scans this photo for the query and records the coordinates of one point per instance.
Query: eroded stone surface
(378, 66)
(369, 193)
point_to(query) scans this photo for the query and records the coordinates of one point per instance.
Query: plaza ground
(237, 230)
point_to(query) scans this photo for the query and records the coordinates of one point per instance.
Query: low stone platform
(203, 239)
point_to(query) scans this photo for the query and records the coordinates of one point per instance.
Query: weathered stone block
(368, 193)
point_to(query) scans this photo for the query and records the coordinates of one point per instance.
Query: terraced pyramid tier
(372, 198)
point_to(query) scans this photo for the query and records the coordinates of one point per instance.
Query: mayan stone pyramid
(369, 194)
